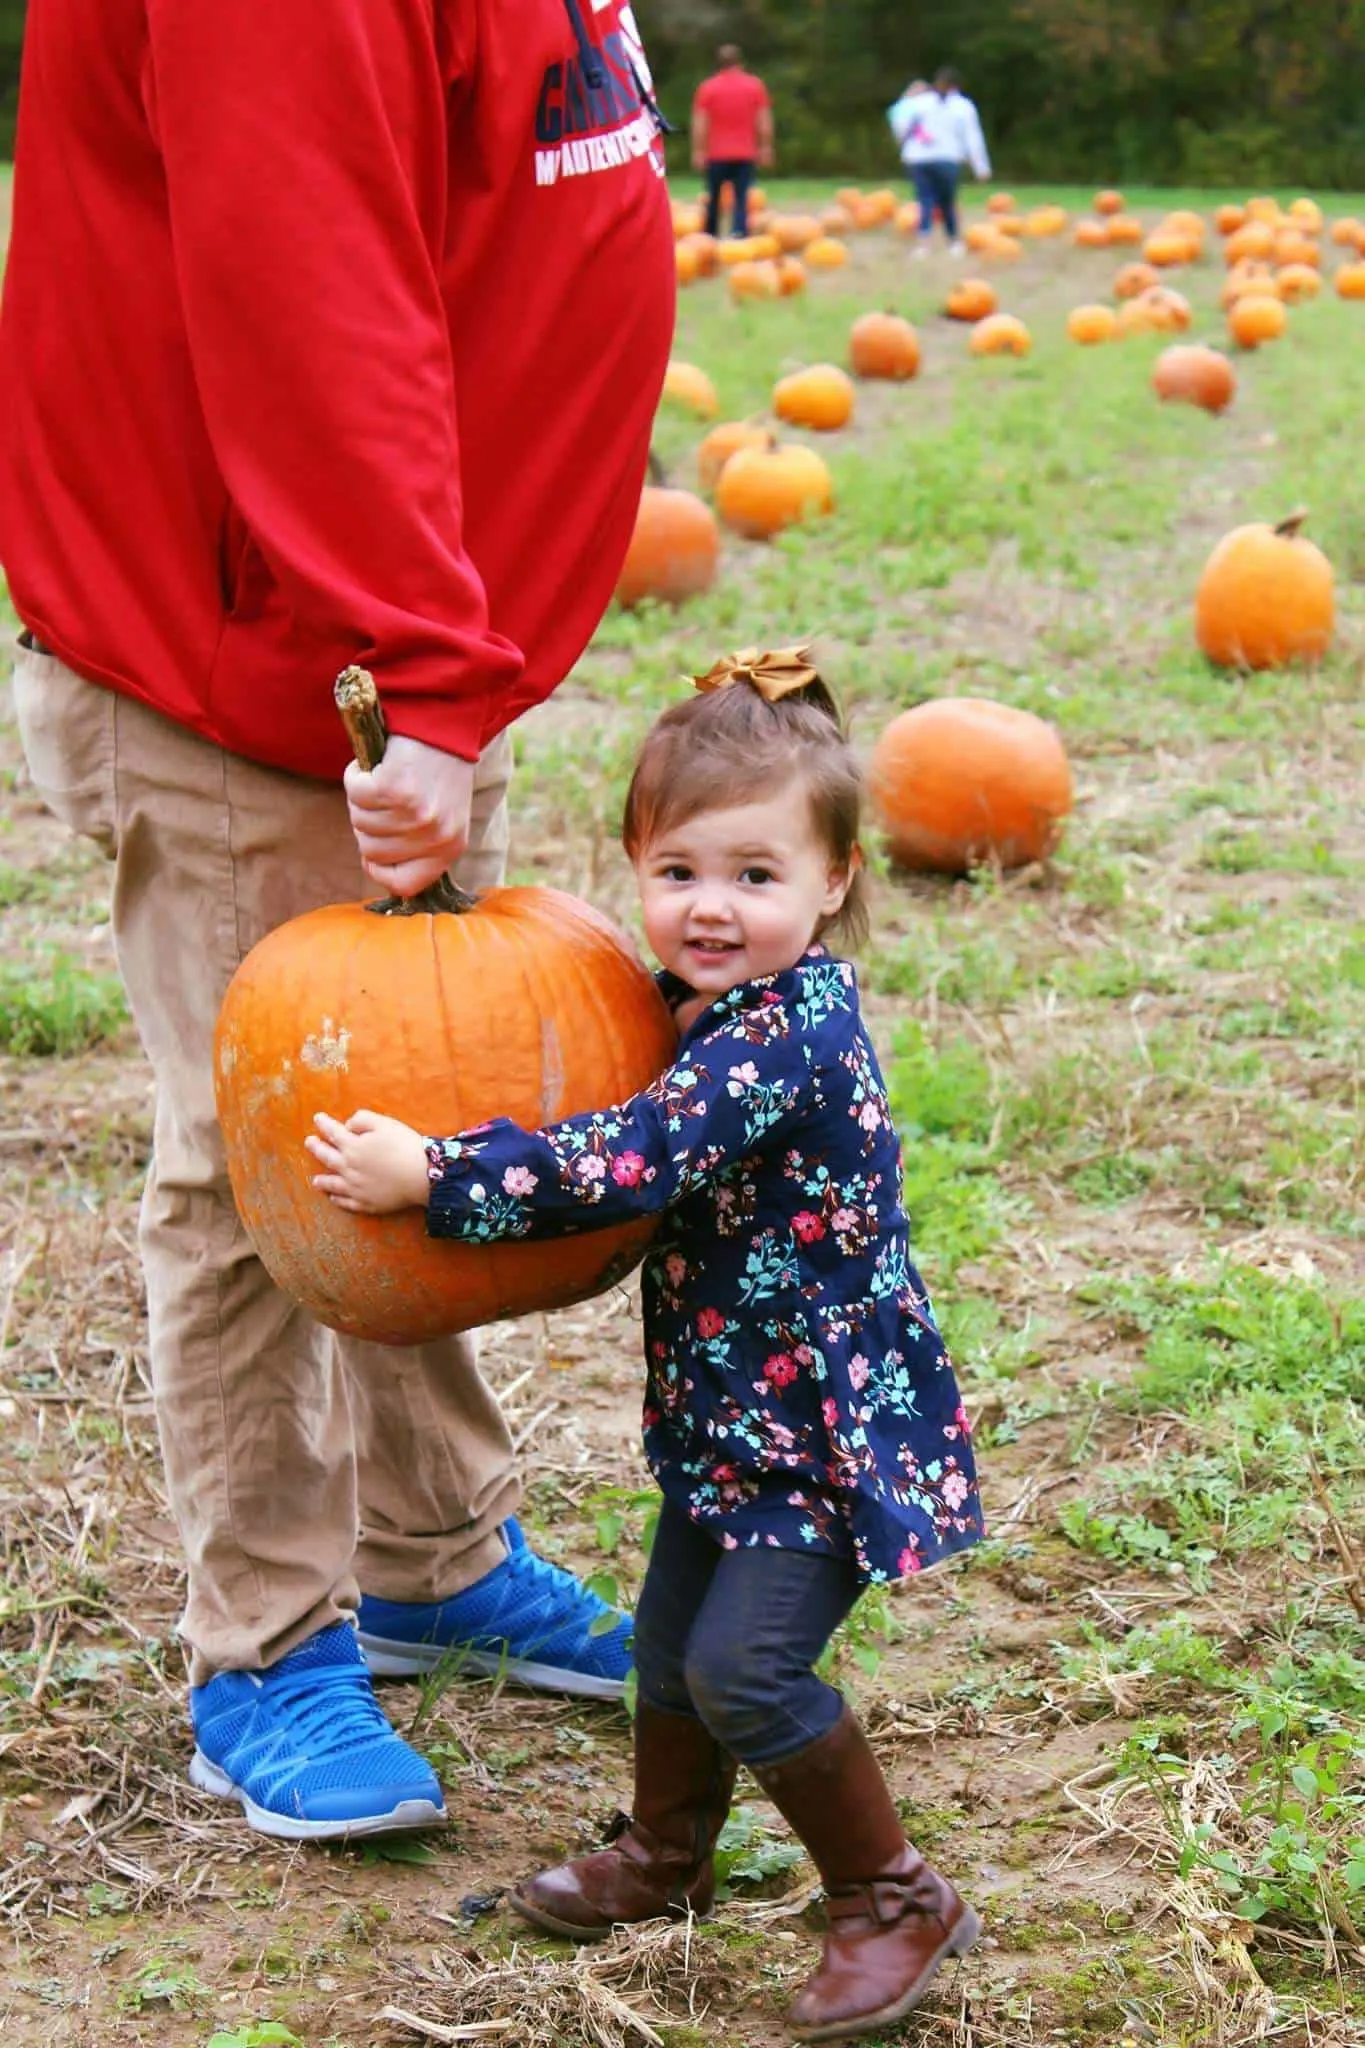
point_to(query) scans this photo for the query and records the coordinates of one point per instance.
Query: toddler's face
(736, 893)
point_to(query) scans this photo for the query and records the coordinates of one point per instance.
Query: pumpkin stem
(362, 714)
(1288, 528)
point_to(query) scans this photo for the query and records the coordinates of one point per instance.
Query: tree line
(1201, 92)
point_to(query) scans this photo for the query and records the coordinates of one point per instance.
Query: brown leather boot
(658, 1860)
(892, 1920)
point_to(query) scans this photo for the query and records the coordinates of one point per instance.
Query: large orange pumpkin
(1348, 232)
(883, 345)
(1296, 282)
(724, 441)
(1168, 246)
(795, 230)
(757, 280)
(1256, 317)
(1135, 278)
(820, 397)
(1256, 239)
(962, 780)
(691, 389)
(971, 298)
(1000, 334)
(529, 1005)
(1351, 281)
(1265, 598)
(1089, 324)
(673, 550)
(1158, 310)
(1045, 221)
(1124, 227)
(1195, 376)
(825, 253)
(761, 490)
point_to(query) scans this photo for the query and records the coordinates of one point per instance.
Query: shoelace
(336, 1704)
(560, 1586)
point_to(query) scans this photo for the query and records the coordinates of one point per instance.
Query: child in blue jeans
(801, 1414)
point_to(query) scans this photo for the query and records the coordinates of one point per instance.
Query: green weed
(57, 1007)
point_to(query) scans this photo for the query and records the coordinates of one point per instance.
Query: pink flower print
(675, 1267)
(519, 1180)
(870, 1117)
(728, 1540)
(780, 1369)
(808, 1227)
(830, 1410)
(796, 1500)
(963, 1420)
(710, 1322)
(627, 1168)
(725, 1198)
(955, 1489)
(590, 1167)
(742, 1077)
(859, 1371)
(803, 1354)
(844, 1219)
(908, 1562)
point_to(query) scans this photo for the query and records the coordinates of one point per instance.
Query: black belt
(35, 645)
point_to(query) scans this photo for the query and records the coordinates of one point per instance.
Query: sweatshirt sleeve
(732, 1092)
(974, 141)
(304, 150)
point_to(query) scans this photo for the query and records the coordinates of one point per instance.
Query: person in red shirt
(732, 131)
(331, 334)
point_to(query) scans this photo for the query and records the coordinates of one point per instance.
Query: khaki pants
(298, 1464)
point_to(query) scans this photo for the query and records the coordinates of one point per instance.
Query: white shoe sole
(409, 1813)
(388, 1659)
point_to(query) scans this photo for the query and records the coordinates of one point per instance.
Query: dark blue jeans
(731, 1636)
(737, 171)
(936, 186)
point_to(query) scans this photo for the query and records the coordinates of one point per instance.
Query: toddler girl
(801, 1415)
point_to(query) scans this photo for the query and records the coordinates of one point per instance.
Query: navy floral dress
(798, 1391)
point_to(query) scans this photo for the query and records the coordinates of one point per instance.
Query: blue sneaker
(305, 1750)
(526, 1620)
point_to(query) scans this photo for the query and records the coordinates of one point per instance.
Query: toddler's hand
(374, 1164)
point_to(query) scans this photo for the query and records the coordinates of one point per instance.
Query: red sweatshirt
(333, 331)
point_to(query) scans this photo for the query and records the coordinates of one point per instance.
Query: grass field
(1130, 1086)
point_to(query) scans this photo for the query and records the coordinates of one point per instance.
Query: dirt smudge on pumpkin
(551, 1071)
(327, 1049)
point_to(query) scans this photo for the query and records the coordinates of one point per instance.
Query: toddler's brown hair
(756, 722)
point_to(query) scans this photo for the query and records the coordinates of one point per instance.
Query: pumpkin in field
(1002, 202)
(1158, 310)
(1109, 201)
(907, 218)
(691, 390)
(761, 490)
(1045, 221)
(1186, 222)
(1265, 598)
(673, 550)
(1351, 281)
(1246, 277)
(1348, 233)
(836, 221)
(758, 198)
(724, 441)
(791, 276)
(1256, 240)
(883, 345)
(1256, 317)
(761, 246)
(1308, 214)
(1124, 227)
(738, 249)
(1296, 282)
(1227, 219)
(962, 780)
(985, 239)
(1195, 376)
(819, 397)
(754, 280)
(685, 262)
(1091, 234)
(1169, 246)
(1089, 324)
(971, 298)
(1135, 278)
(1000, 334)
(848, 196)
(825, 253)
(1264, 209)
(1011, 225)
(529, 1005)
(1293, 247)
(706, 250)
(688, 217)
(794, 230)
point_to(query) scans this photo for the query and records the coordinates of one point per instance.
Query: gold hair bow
(773, 673)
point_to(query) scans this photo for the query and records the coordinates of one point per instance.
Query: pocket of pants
(66, 728)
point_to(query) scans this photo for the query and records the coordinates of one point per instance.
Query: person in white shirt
(937, 130)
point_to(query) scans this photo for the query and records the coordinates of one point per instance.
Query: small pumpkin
(1293, 247)
(791, 276)
(758, 198)
(1265, 210)
(1351, 281)
(1308, 214)
(1182, 220)
(1227, 219)
(1091, 324)
(825, 253)
(690, 389)
(1012, 225)
(1158, 310)
(907, 218)
(724, 441)
(1091, 234)
(1348, 232)
(1002, 202)
(1256, 239)
(959, 781)
(1168, 247)
(707, 252)
(685, 262)
(673, 549)
(1045, 220)
(1194, 375)
(761, 490)
(883, 345)
(971, 298)
(1000, 334)
(1109, 201)
(836, 221)
(1296, 282)
(1256, 317)
(820, 396)
(1135, 278)
(1265, 597)
(688, 217)
(1124, 228)
(759, 280)
(1246, 277)
(793, 231)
